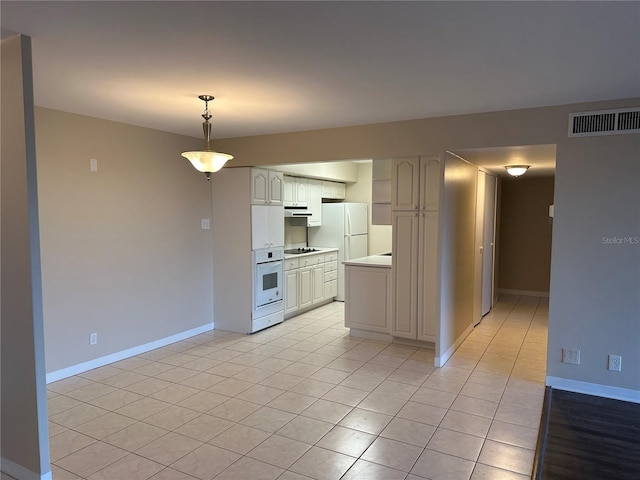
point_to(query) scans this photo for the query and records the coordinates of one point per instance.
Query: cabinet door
(405, 184)
(288, 191)
(327, 189)
(259, 186)
(314, 203)
(275, 187)
(305, 287)
(430, 183)
(368, 294)
(301, 192)
(330, 289)
(291, 291)
(260, 226)
(428, 299)
(340, 191)
(276, 226)
(318, 283)
(405, 274)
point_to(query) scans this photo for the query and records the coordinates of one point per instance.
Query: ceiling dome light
(516, 170)
(207, 161)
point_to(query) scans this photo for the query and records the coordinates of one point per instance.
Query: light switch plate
(93, 164)
(206, 224)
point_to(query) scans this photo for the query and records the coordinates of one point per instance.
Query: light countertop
(318, 251)
(380, 261)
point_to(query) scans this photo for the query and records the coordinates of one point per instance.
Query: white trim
(130, 352)
(606, 391)
(526, 293)
(440, 361)
(21, 473)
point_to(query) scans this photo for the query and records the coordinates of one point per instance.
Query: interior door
(488, 243)
(478, 248)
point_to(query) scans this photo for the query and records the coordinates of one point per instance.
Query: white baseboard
(130, 352)
(596, 389)
(21, 473)
(526, 293)
(442, 359)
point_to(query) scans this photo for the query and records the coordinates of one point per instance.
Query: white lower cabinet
(368, 304)
(415, 255)
(309, 280)
(318, 284)
(305, 287)
(291, 276)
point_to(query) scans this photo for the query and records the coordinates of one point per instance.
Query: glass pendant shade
(516, 170)
(205, 161)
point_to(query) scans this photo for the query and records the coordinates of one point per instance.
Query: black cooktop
(296, 251)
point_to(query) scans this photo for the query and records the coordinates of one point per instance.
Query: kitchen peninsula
(368, 296)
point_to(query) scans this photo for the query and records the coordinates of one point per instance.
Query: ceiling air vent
(605, 122)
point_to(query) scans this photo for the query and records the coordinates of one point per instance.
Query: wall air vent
(604, 122)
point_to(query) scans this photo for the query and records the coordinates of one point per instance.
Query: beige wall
(457, 251)
(525, 234)
(25, 439)
(595, 282)
(123, 252)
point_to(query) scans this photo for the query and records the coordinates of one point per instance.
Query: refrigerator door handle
(348, 232)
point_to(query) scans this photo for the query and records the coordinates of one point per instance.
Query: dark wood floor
(588, 437)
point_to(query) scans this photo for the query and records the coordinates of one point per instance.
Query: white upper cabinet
(295, 191)
(334, 190)
(314, 203)
(405, 185)
(266, 187)
(267, 226)
(415, 183)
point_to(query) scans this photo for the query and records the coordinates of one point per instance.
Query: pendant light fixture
(207, 161)
(517, 170)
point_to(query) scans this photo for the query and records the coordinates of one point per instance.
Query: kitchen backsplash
(294, 235)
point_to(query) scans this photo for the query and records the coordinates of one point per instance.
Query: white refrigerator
(344, 226)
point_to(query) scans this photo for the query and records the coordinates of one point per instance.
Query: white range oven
(268, 287)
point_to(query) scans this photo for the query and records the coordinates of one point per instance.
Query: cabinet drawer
(331, 256)
(330, 276)
(311, 260)
(291, 263)
(329, 266)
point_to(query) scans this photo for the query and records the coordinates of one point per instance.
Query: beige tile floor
(305, 400)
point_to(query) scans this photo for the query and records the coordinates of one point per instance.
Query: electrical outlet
(206, 224)
(571, 356)
(615, 363)
(93, 338)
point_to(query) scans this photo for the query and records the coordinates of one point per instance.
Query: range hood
(296, 212)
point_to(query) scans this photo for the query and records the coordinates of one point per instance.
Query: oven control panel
(269, 255)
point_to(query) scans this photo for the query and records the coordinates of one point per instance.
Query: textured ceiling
(290, 66)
